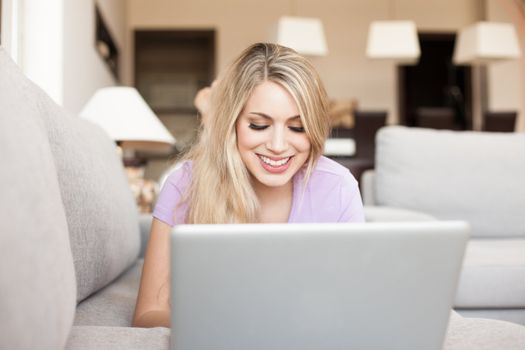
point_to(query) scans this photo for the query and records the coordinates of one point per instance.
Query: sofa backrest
(37, 277)
(101, 213)
(478, 177)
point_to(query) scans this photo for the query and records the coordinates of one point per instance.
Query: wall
(84, 71)
(41, 53)
(346, 71)
(506, 80)
(58, 51)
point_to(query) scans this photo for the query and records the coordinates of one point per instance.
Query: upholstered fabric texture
(145, 221)
(470, 176)
(490, 267)
(111, 338)
(101, 212)
(387, 214)
(37, 281)
(113, 305)
(481, 334)
(509, 315)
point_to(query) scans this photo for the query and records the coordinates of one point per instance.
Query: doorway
(172, 65)
(435, 83)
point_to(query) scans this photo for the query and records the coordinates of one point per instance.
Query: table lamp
(303, 34)
(480, 44)
(393, 40)
(128, 120)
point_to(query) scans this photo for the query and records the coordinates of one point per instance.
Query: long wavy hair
(221, 188)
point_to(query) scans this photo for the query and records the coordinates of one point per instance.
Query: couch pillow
(473, 176)
(37, 280)
(100, 209)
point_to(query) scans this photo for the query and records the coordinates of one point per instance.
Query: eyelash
(257, 127)
(262, 127)
(296, 128)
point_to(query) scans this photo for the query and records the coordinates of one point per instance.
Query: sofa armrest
(145, 221)
(390, 214)
(367, 187)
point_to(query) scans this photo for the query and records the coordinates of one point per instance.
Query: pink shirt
(331, 195)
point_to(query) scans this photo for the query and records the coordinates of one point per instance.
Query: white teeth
(274, 163)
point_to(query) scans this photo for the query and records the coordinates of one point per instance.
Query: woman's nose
(277, 143)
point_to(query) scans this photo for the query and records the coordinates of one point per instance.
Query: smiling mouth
(274, 163)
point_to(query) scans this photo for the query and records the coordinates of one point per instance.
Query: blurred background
(170, 49)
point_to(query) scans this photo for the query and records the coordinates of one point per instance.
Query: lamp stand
(479, 96)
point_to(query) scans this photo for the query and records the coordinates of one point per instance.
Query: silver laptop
(314, 286)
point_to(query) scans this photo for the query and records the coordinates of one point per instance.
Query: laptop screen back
(314, 286)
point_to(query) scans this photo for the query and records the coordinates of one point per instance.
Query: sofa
(71, 240)
(474, 176)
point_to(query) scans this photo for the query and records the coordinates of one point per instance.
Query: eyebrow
(266, 116)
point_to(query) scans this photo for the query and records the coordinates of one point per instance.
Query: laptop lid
(314, 286)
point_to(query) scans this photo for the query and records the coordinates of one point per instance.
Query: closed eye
(257, 126)
(296, 128)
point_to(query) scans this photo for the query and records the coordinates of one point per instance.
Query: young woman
(258, 159)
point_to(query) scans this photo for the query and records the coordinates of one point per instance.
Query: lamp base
(144, 190)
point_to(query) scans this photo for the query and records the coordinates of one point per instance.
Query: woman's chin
(273, 180)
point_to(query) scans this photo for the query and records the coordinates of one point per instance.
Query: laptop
(314, 286)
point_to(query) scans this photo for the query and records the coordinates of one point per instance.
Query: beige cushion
(37, 281)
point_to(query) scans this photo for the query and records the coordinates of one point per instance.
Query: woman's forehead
(272, 100)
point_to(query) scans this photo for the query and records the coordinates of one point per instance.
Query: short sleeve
(351, 202)
(167, 208)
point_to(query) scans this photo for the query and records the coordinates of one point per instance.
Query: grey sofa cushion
(493, 274)
(101, 213)
(145, 221)
(113, 305)
(470, 176)
(387, 214)
(508, 315)
(118, 338)
(37, 281)
(482, 334)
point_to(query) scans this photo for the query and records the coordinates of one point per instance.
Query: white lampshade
(485, 42)
(304, 35)
(393, 40)
(127, 118)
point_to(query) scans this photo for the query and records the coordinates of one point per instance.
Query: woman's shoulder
(176, 182)
(178, 175)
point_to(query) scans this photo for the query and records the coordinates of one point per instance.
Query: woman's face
(270, 136)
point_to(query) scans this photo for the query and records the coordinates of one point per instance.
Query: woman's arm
(153, 305)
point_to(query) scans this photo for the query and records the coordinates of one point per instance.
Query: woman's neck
(275, 203)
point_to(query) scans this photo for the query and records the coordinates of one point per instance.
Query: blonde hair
(221, 190)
